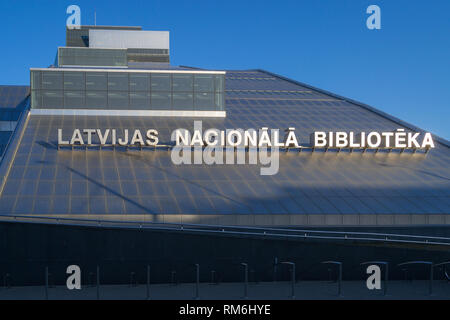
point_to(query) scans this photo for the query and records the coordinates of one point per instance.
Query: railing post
(386, 278)
(275, 269)
(293, 281)
(339, 279)
(245, 265)
(430, 283)
(430, 289)
(98, 283)
(46, 283)
(292, 264)
(173, 277)
(197, 284)
(148, 282)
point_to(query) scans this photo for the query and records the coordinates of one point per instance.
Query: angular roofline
(362, 105)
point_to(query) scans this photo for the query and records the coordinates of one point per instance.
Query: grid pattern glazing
(126, 90)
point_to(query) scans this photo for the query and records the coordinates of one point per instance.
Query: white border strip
(130, 70)
(129, 113)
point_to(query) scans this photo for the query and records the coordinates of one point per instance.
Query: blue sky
(402, 69)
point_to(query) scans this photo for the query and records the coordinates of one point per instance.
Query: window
(140, 100)
(204, 101)
(96, 99)
(118, 100)
(118, 81)
(96, 81)
(182, 82)
(204, 83)
(161, 101)
(74, 99)
(52, 99)
(126, 90)
(161, 82)
(139, 82)
(35, 79)
(74, 81)
(183, 101)
(52, 80)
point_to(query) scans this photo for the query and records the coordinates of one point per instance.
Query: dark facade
(28, 248)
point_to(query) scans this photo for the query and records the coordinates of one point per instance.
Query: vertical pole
(275, 267)
(46, 283)
(197, 282)
(293, 281)
(98, 283)
(340, 280)
(148, 282)
(430, 289)
(386, 277)
(245, 265)
(246, 282)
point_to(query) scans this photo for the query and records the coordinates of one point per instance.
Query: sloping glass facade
(315, 188)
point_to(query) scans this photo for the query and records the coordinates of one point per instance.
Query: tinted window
(160, 82)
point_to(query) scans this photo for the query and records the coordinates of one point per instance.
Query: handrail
(241, 230)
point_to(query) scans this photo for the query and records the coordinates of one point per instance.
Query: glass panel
(219, 102)
(204, 101)
(36, 99)
(74, 81)
(220, 81)
(139, 82)
(139, 100)
(96, 99)
(96, 81)
(52, 80)
(92, 57)
(182, 101)
(35, 79)
(204, 83)
(161, 100)
(52, 99)
(118, 100)
(118, 81)
(161, 82)
(74, 99)
(182, 82)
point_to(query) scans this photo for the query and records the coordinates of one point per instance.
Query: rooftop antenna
(95, 18)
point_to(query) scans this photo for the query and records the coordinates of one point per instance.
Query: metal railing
(265, 232)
